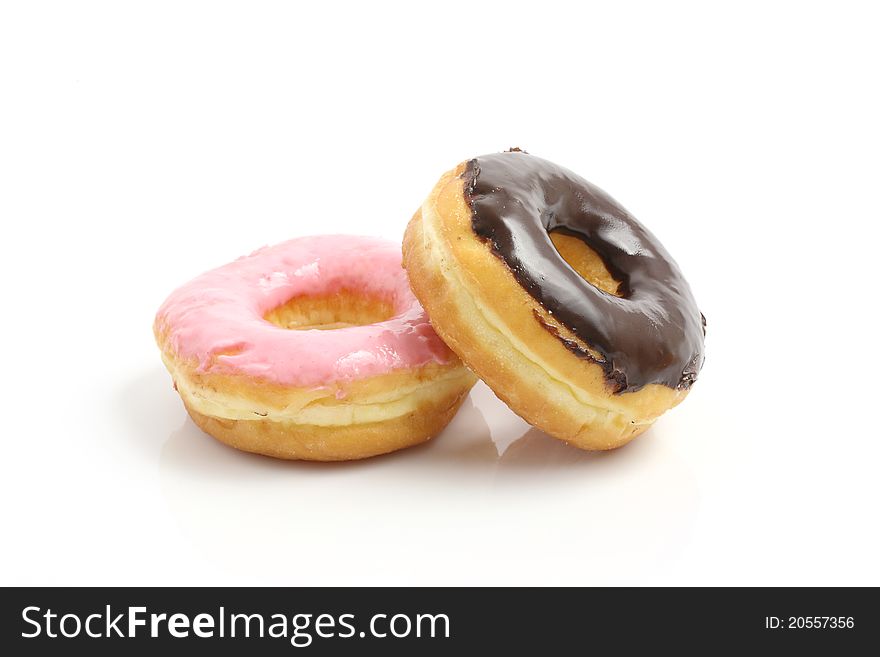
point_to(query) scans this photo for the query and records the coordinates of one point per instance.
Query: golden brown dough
(501, 332)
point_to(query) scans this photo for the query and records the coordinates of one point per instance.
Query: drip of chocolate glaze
(652, 333)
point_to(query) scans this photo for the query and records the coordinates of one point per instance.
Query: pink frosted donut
(315, 348)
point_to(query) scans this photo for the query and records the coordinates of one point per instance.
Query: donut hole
(586, 262)
(343, 309)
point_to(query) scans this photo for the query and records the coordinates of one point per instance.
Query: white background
(143, 143)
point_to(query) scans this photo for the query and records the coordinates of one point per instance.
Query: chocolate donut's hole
(586, 262)
(343, 309)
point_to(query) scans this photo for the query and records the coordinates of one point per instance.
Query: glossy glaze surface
(218, 320)
(652, 333)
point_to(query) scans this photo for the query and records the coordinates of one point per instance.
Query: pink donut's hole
(343, 309)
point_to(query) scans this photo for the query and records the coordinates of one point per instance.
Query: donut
(315, 349)
(568, 308)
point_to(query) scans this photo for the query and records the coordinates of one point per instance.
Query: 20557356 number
(810, 622)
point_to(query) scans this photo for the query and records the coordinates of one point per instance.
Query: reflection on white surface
(489, 501)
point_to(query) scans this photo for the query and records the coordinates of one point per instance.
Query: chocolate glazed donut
(652, 332)
(556, 297)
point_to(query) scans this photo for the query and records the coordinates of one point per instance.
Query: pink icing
(217, 318)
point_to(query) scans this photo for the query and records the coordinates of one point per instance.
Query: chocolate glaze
(652, 333)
